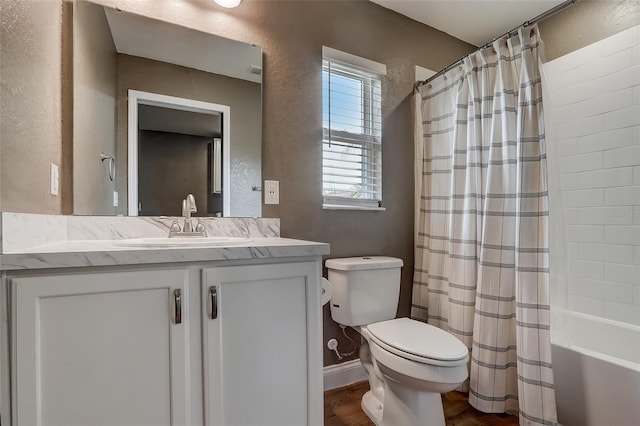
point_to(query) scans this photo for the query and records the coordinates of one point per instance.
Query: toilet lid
(417, 339)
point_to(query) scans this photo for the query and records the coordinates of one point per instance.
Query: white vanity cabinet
(261, 336)
(219, 343)
(100, 348)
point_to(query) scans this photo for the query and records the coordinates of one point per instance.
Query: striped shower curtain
(481, 244)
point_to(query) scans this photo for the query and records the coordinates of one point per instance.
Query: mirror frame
(137, 97)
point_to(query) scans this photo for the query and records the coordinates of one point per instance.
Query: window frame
(370, 74)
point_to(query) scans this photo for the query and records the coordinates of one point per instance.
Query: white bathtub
(596, 366)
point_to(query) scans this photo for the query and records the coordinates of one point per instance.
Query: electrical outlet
(271, 192)
(54, 179)
(115, 198)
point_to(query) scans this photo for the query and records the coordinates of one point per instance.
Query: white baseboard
(339, 375)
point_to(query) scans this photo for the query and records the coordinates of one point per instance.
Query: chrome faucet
(188, 207)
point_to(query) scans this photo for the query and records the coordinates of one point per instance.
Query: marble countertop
(72, 254)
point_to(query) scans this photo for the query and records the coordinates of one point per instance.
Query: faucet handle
(200, 228)
(174, 228)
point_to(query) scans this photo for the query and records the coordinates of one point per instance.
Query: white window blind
(352, 135)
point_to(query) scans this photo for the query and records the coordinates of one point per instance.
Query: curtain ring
(429, 86)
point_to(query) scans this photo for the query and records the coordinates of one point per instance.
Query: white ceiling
(474, 21)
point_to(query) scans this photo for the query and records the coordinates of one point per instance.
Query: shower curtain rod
(537, 19)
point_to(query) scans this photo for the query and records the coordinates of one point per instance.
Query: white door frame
(137, 97)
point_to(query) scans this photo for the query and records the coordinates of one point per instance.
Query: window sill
(348, 207)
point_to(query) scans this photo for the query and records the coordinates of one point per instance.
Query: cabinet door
(100, 349)
(262, 345)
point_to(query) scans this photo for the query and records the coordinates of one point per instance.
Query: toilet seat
(419, 342)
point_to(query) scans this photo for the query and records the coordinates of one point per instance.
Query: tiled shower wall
(595, 105)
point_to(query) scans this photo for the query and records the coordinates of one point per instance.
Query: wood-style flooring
(342, 408)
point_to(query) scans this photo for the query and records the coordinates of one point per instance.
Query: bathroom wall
(595, 100)
(587, 22)
(30, 104)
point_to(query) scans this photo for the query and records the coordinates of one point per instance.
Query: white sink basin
(184, 242)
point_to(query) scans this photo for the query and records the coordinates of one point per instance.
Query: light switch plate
(115, 198)
(271, 192)
(55, 176)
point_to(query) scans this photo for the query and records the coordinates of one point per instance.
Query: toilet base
(372, 408)
(411, 407)
(404, 407)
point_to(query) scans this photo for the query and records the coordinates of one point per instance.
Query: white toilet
(409, 363)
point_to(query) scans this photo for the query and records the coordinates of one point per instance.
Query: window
(351, 131)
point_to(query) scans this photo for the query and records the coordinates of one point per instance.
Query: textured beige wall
(243, 97)
(30, 104)
(587, 22)
(94, 110)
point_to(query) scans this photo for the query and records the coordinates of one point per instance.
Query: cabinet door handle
(213, 293)
(177, 298)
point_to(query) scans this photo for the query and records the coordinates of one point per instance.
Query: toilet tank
(365, 289)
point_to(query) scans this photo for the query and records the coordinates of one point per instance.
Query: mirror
(186, 138)
(160, 111)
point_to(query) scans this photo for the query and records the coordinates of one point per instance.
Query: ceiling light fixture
(228, 3)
